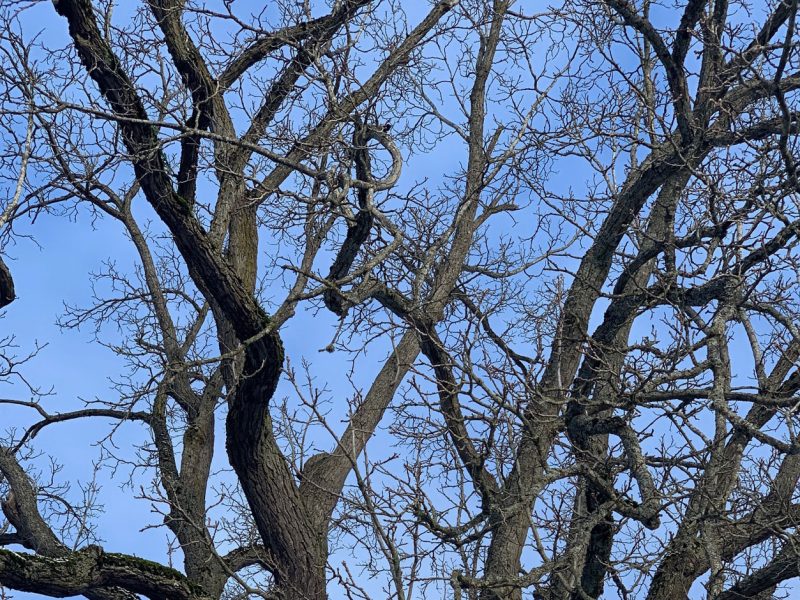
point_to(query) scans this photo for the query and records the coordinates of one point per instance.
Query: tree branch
(785, 565)
(90, 570)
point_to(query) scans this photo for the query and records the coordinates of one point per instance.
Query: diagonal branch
(672, 66)
(209, 106)
(207, 268)
(352, 101)
(785, 565)
(252, 448)
(266, 45)
(323, 482)
(473, 461)
(691, 15)
(22, 510)
(284, 84)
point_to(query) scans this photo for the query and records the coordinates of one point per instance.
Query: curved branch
(358, 231)
(49, 419)
(691, 15)
(247, 556)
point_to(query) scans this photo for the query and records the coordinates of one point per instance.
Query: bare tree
(569, 232)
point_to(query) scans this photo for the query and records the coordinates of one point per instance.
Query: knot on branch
(361, 138)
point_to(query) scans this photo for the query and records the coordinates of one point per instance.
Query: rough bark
(90, 570)
(6, 285)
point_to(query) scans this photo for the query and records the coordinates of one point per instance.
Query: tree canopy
(552, 251)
